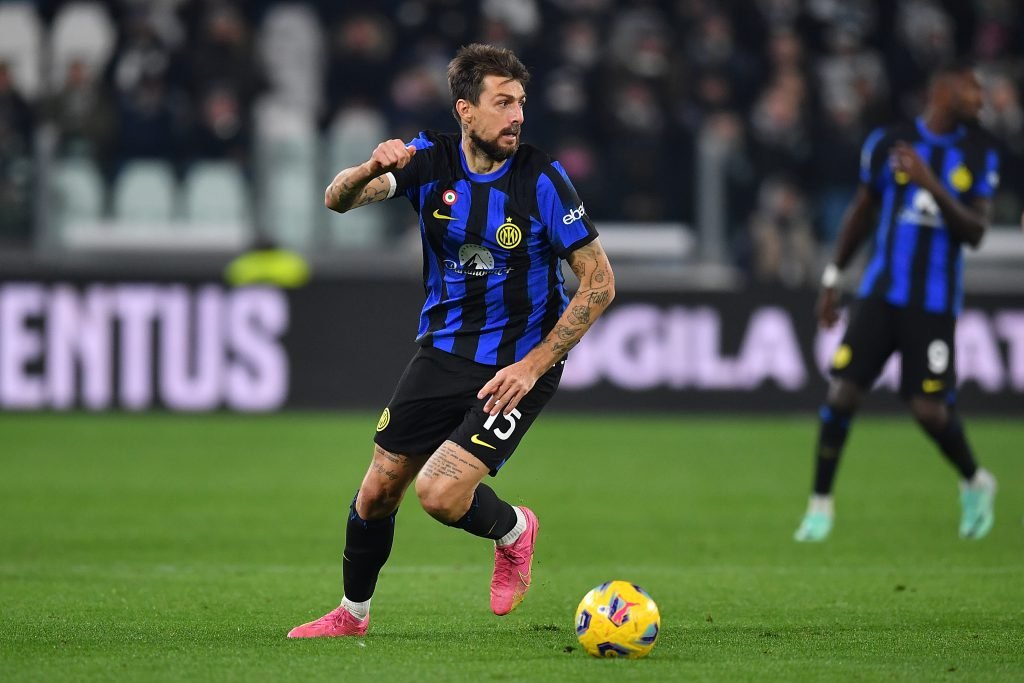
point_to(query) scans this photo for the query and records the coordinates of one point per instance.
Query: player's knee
(376, 502)
(930, 414)
(844, 397)
(438, 501)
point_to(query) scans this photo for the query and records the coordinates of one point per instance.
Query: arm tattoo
(580, 314)
(592, 297)
(347, 193)
(376, 190)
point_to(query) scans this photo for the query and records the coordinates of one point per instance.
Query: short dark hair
(472, 63)
(953, 67)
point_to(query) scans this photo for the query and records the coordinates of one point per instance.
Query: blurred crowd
(622, 93)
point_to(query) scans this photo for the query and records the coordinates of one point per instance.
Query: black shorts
(435, 401)
(925, 342)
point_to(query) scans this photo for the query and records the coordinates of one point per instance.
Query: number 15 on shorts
(512, 419)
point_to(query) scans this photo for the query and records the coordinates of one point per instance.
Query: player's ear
(465, 110)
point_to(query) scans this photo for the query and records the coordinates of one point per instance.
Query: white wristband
(830, 278)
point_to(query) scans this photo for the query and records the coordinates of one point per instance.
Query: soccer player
(930, 183)
(496, 218)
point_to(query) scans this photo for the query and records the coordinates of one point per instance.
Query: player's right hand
(390, 155)
(828, 306)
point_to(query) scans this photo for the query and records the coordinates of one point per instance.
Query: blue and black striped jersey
(492, 246)
(915, 261)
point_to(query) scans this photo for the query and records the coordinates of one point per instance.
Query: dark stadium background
(715, 144)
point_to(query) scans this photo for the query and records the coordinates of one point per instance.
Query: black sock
(367, 547)
(835, 425)
(488, 515)
(952, 441)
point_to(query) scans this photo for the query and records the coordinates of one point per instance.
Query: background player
(496, 217)
(930, 183)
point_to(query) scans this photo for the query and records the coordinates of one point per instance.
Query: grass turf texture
(183, 548)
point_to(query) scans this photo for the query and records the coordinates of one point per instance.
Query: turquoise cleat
(977, 505)
(814, 528)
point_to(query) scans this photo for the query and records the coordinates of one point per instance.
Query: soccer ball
(617, 619)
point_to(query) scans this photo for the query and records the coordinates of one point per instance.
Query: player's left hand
(507, 388)
(904, 158)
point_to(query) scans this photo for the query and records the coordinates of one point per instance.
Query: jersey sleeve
(872, 160)
(563, 215)
(416, 173)
(988, 183)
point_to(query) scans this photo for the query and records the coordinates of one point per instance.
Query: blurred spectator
(83, 113)
(16, 131)
(834, 171)
(1003, 116)
(853, 76)
(997, 28)
(924, 40)
(780, 128)
(784, 250)
(16, 120)
(223, 58)
(361, 50)
(622, 92)
(223, 77)
(223, 128)
(141, 53)
(150, 122)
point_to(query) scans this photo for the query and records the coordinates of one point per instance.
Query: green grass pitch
(161, 547)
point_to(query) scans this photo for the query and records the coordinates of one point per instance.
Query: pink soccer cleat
(512, 563)
(337, 622)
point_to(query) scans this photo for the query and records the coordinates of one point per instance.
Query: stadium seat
(285, 134)
(145, 194)
(291, 46)
(350, 140)
(78, 191)
(215, 195)
(352, 136)
(289, 193)
(21, 46)
(291, 201)
(83, 31)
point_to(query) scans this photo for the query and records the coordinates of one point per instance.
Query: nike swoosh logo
(477, 440)
(438, 214)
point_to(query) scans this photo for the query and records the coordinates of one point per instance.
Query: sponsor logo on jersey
(574, 215)
(475, 260)
(923, 210)
(438, 214)
(509, 235)
(932, 386)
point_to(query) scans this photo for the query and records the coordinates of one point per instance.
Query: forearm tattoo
(592, 297)
(375, 191)
(447, 462)
(347, 193)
